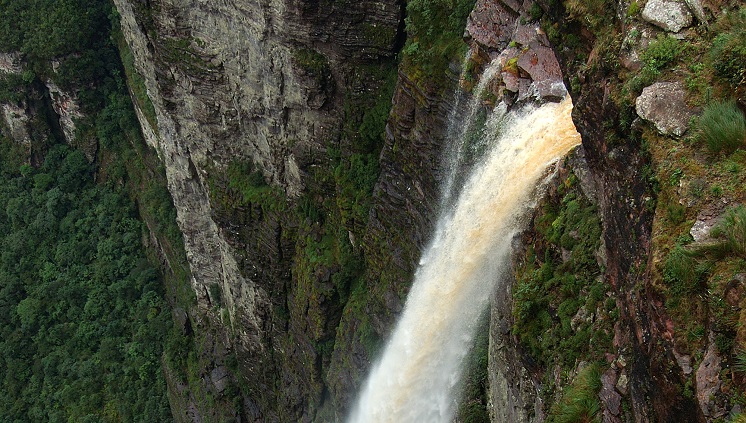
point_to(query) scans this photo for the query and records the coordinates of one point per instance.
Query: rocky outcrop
(66, 107)
(262, 83)
(492, 23)
(512, 390)
(709, 383)
(10, 63)
(528, 66)
(671, 15)
(17, 120)
(706, 220)
(663, 105)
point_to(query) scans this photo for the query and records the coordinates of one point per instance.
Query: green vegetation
(67, 31)
(722, 127)
(559, 281)
(661, 54)
(135, 81)
(593, 13)
(252, 188)
(311, 61)
(684, 275)
(731, 232)
(434, 31)
(728, 51)
(84, 315)
(473, 404)
(82, 310)
(579, 402)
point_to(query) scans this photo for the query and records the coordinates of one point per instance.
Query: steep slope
(305, 169)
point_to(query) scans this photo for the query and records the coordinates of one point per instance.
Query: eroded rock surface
(17, 121)
(663, 105)
(671, 15)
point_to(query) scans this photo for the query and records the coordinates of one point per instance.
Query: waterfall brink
(417, 377)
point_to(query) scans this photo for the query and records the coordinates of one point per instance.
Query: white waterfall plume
(417, 376)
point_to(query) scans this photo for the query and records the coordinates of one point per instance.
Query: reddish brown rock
(541, 65)
(491, 24)
(708, 381)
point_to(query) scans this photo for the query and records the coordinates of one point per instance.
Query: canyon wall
(303, 226)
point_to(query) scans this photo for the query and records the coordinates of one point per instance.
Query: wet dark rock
(610, 398)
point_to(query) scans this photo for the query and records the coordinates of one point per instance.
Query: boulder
(219, 378)
(663, 105)
(609, 396)
(706, 220)
(708, 381)
(671, 15)
(542, 66)
(491, 24)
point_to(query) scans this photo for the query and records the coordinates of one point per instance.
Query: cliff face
(302, 225)
(266, 87)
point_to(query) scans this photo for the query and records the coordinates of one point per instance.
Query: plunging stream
(416, 379)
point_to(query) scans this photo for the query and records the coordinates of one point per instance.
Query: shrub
(662, 52)
(682, 273)
(728, 53)
(434, 35)
(722, 127)
(590, 12)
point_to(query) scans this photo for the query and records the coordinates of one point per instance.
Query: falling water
(459, 127)
(417, 376)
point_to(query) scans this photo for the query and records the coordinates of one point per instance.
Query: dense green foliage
(722, 127)
(662, 53)
(251, 187)
(68, 31)
(555, 284)
(84, 320)
(434, 31)
(728, 53)
(81, 309)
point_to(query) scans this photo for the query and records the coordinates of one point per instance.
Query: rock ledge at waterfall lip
(671, 15)
(544, 69)
(663, 105)
(536, 72)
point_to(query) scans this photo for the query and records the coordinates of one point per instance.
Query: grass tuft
(722, 127)
(580, 401)
(732, 231)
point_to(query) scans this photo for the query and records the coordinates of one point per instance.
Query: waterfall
(459, 128)
(416, 379)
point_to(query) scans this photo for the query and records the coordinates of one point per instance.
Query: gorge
(285, 159)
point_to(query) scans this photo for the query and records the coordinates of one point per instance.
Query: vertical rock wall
(264, 83)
